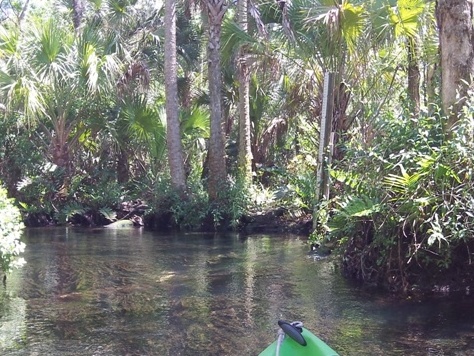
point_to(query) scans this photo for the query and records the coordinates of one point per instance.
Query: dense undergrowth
(406, 223)
(10, 234)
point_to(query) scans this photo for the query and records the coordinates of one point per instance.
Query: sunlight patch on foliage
(11, 229)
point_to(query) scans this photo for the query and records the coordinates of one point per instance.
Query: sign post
(325, 143)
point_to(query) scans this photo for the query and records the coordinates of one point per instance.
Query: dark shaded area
(366, 260)
(278, 220)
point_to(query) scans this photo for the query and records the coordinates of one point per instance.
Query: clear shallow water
(134, 292)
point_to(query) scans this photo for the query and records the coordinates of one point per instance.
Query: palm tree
(175, 150)
(58, 81)
(243, 68)
(216, 10)
(400, 26)
(455, 20)
(324, 37)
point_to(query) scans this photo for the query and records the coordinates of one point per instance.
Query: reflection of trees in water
(70, 294)
(132, 294)
(12, 314)
(225, 294)
(115, 293)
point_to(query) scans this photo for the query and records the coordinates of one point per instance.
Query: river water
(136, 292)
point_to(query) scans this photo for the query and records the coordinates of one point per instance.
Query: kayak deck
(289, 347)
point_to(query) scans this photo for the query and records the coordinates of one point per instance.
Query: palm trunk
(24, 10)
(173, 132)
(217, 165)
(123, 174)
(456, 40)
(413, 78)
(78, 13)
(245, 150)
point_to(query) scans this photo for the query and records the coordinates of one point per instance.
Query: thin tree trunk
(23, 12)
(173, 133)
(77, 13)
(456, 39)
(217, 165)
(430, 86)
(413, 78)
(245, 149)
(123, 174)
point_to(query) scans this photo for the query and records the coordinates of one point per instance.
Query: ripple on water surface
(133, 292)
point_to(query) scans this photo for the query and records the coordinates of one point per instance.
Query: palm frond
(352, 209)
(108, 213)
(233, 37)
(409, 12)
(51, 46)
(146, 124)
(353, 23)
(401, 20)
(9, 39)
(197, 119)
(404, 183)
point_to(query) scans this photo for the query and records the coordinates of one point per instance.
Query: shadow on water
(134, 292)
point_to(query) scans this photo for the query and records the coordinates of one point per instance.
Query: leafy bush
(58, 197)
(412, 214)
(10, 233)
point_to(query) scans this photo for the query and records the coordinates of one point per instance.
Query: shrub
(11, 228)
(410, 216)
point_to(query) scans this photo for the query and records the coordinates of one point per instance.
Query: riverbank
(421, 283)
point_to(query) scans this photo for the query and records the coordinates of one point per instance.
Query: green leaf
(108, 213)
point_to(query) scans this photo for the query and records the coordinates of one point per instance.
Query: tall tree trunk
(23, 12)
(413, 77)
(77, 13)
(173, 133)
(245, 148)
(456, 36)
(123, 174)
(217, 165)
(431, 73)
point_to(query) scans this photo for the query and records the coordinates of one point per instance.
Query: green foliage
(47, 194)
(303, 187)
(186, 212)
(414, 203)
(108, 213)
(68, 211)
(11, 228)
(37, 191)
(351, 209)
(239, 200)
(194, 211)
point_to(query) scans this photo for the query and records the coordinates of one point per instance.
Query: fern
(353, 209)
(69, 211)
(350, 179)
(108, 213)
(404, 183)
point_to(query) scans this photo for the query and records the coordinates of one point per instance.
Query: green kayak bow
(294, 340)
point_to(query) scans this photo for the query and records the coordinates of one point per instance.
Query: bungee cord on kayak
(282, 333)
(300, 342)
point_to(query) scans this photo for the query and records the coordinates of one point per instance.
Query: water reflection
(133, 292)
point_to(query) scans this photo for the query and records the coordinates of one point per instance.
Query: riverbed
(138, 292)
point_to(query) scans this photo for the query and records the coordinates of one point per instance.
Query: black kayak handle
(292, 331)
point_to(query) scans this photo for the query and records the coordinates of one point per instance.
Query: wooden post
(325, 144)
